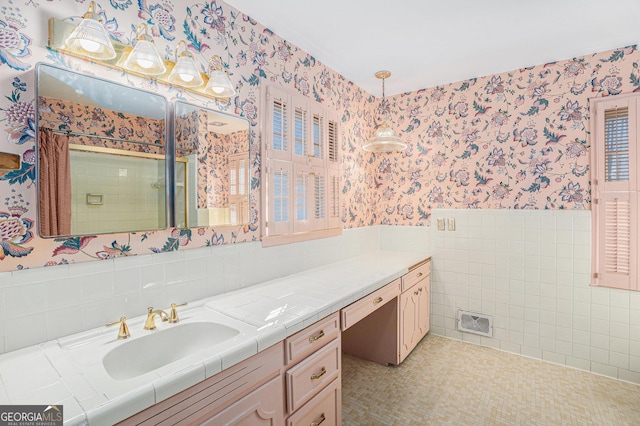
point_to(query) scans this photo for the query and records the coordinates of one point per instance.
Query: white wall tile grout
(534, 279)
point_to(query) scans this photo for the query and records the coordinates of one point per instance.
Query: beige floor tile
(448, 382)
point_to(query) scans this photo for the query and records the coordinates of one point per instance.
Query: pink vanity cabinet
(386, 325)
(313, 360)
(248, 393)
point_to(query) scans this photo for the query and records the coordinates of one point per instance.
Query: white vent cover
(475, 323)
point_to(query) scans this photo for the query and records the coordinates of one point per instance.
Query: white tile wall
(530, 269)
(37, 305)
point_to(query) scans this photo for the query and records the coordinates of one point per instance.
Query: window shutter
(280, 207)
(615, 205)
(301, 184)
(333, 196)
(278, 133)
(616, 145)
(318, 136)
(332, 141)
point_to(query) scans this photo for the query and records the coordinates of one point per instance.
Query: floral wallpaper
(516, 140)
(252, 54)
(62, 115)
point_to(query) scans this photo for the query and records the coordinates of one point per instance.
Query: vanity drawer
(324, 408)
(363, 307)
(415, 274)
(312, 338)
(311, 375)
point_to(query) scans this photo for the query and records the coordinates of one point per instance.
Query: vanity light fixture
(384, 139)
(91, 38)
(219, 84)
(185, 73)
(144, 58)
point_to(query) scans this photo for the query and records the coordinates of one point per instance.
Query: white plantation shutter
(332, 143)
(333, 198)
(278, 132)
(280, 205)
(300, 142)
(614, 182)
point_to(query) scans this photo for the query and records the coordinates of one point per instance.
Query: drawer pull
(416, 292)
(317, 336)
(378, 300)
(318, 423)
(320, 374)
(419, 275)
(420, 289)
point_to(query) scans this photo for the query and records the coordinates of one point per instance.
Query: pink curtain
(55, 183)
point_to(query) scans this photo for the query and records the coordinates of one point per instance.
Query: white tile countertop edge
(43, 374)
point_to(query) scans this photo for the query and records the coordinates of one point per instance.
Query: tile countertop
(272, 311)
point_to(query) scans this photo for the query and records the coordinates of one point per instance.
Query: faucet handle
(173, 314)
(123, 332)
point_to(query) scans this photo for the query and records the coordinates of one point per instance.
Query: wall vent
(471, 322)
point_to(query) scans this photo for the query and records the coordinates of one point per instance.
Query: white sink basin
(161, 347)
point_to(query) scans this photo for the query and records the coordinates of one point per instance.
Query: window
(302, 173)
(615, 185)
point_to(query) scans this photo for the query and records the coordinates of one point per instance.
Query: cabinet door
(423, 308)
(262, 407)
(409, 330)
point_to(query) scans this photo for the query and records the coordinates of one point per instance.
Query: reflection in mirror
(212, 167)
(102, 156)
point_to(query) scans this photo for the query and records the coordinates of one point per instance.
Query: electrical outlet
(440, 224)
(452, 225)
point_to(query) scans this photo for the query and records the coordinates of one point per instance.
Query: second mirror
(212, 167)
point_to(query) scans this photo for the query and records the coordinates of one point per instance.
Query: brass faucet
(123, 331)
(150, 323)
(173, 314)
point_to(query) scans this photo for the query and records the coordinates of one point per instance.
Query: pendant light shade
(144, 58)
(185, 73)
(384, 139)
(219, 84)
(91, 38)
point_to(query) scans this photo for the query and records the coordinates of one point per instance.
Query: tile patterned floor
(448, 382)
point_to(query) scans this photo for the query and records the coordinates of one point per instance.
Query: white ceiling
(427, 43)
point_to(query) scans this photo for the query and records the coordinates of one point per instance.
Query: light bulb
(89, 45)
(144, 63)
(217, 89)
(186, 77)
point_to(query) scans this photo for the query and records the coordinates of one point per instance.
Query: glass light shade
(384, 140)
(219, 84)
(145, 59)
(91, 39)
(185, 73)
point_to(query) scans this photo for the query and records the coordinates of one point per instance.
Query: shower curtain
(55, 183)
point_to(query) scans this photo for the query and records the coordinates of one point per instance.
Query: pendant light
(144, 58)
(219, 84)
(185, 73)
(91, 38)
(384, 139)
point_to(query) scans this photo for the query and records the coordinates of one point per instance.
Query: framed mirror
(211, 167)
(102, 156)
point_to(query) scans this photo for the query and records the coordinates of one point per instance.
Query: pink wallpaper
(516, 140)
(512, 140)
(62, 115)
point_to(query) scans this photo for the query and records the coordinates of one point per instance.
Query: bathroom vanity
(275, 357)
(298, 379)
